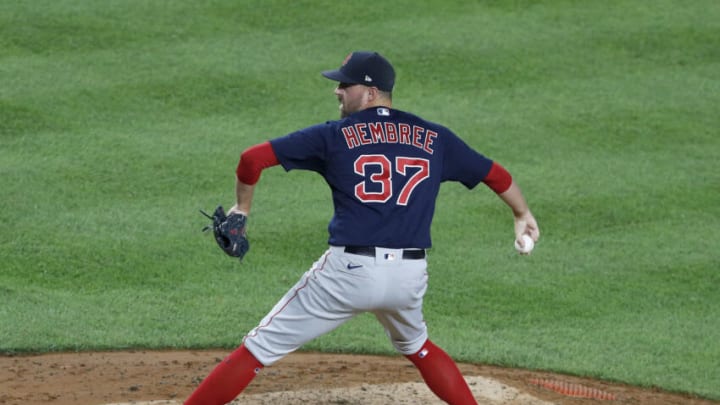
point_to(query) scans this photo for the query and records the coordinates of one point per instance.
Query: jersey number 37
(378, 170)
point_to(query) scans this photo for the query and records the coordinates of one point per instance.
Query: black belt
(408, 254)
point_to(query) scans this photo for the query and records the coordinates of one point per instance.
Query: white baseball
(529, 245)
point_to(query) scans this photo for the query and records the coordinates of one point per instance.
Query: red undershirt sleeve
(252, 162)
(498, 179)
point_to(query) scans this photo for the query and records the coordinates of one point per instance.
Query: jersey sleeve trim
(498, 179)
(253, 161)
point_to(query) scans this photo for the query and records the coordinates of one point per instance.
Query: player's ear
(373, 94)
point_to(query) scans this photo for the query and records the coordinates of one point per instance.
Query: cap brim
(338, 76)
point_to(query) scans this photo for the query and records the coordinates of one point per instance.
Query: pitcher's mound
(487, 391)
(168, 377)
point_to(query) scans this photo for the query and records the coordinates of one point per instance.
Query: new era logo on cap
(363, 67)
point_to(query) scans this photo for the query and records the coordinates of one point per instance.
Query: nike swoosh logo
(351, 266)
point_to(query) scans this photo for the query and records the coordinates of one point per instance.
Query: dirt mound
(486, 390)
(167, 377)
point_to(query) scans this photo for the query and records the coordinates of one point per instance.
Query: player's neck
(378, 103)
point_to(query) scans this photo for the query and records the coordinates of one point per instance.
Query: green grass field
(119, 119)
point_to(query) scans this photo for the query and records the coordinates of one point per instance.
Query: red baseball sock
(227, 380)
(442, 375)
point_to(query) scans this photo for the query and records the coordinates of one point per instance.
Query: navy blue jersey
(384, 168)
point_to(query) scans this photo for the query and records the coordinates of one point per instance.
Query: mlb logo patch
(383, 112)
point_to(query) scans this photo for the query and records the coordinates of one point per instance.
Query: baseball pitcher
(384, 168)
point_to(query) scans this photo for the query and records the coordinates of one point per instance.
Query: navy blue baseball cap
(362, 67)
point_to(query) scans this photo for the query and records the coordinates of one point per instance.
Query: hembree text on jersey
(389, 132)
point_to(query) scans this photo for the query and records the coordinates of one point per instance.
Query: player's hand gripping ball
(229, 232)
(529, 245)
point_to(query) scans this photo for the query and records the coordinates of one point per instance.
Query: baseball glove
(229, 232)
